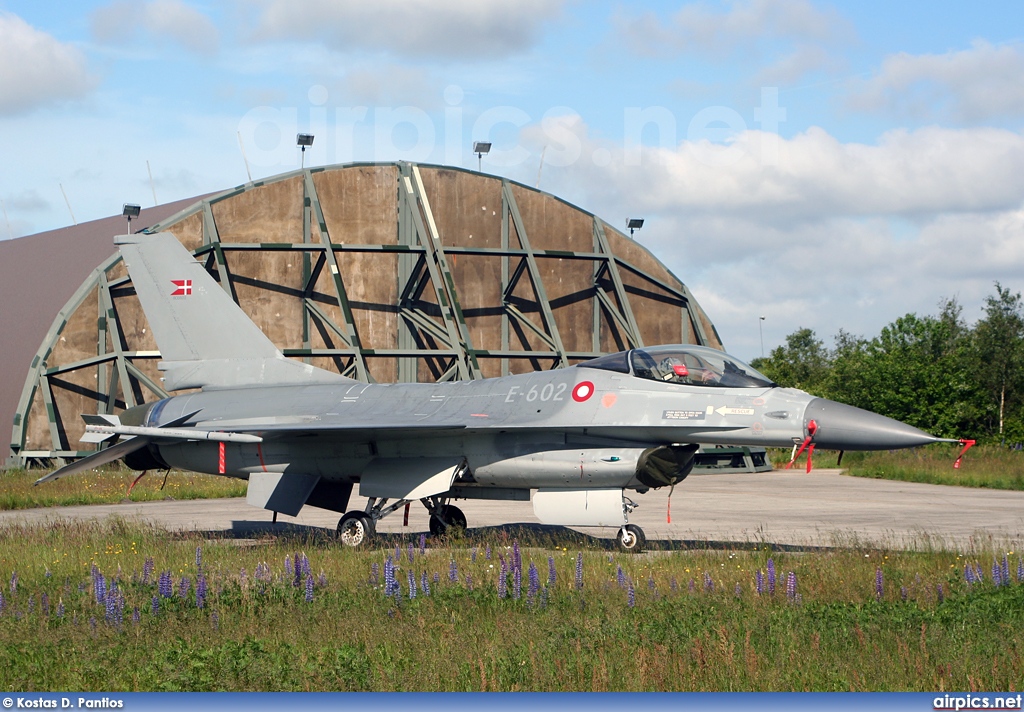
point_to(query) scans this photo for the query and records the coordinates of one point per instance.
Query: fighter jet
(578, 439)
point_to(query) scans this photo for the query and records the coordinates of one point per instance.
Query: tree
(802, 363)
(999, 352)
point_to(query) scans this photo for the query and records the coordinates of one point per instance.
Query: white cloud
(36, 69)
(390, 85)
(970, 85)
(123, 22)
(446, 29)
(697, 28)
(833, 236)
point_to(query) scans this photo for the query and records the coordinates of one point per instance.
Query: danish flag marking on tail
(182, 287)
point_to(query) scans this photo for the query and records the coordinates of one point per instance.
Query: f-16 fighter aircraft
(579, 438)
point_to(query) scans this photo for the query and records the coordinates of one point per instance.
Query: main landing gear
(357, 528)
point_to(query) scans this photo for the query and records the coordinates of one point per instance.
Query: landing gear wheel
(356, 529)
(631, 539)
(447, 518)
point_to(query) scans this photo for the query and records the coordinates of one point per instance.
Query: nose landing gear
(631, 538)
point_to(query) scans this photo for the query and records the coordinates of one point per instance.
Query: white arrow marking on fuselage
(734, 411)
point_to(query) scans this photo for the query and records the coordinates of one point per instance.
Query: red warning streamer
(812, 428)
(405, 519)
(968, 444)
(222, 464)
(132, 485)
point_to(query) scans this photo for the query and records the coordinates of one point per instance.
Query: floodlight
(480, 148)
(303, 140)
(634, 224)
(130, 210)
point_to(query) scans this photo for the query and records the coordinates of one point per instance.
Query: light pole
(130, 211)
(761, 333)
(481, 148)
(303, 140)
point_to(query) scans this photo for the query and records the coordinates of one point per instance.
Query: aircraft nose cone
(844, 427)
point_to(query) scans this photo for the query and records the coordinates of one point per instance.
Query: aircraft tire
(356, 529)
(631, 539)
(445, 518)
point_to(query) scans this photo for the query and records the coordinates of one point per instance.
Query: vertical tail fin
(205, 339)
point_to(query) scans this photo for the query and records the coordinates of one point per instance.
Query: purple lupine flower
(200, 591)
(412, 583)
(389, 577)
(771, 577)
(631, 596)
(517, 559)
(650, 584)
(692, 586)
(1020, 570)
(374, 574)
(551, 571)
(110, 603)
(709, 583)
(673, 584)
(791, 585)
(969, 574)
(425, 584)
(289, 570)
(487, 552)
(620, 577)
(410, 552)
(903, 593)
(99, 587)
(1006, 571)
(199, 558)
(579, 571)
(879, 584)
(215, 620)
(14, 582)
(321, 580)
(309, 587)
(502, 577)
(44, 602)
(738, 591)
(164, 586)
(437, 577)
(517, 583)
(183, 586)
(297, 577)
(453, 571)
(469, 581)
(423, 544)
(60, 608)
(136, 615)
(147, 570)
(997, 574)
(306, 570)
(978, 573)
(939, 594)
(398, 554)
(472, 555)
(155, 605)
(759, 582)
(534, 585)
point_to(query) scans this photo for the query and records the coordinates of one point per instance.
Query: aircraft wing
(114, 452)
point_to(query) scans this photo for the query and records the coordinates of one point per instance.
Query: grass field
(989, 466)
(120, 607)
(109, 485)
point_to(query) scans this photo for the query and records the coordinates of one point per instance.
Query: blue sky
(830, 165)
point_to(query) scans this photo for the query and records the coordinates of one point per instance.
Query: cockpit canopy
(690, 365)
